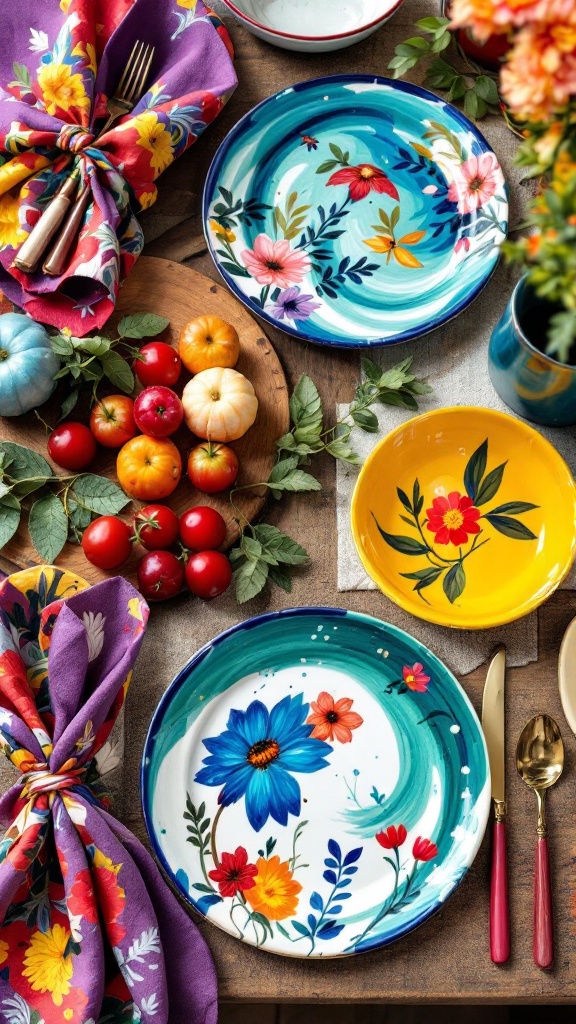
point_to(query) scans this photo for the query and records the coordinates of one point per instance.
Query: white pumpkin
(219, 404)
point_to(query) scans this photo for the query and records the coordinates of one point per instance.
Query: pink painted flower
(475, 182)
(271, 262)
(462, 243)
(415, 677)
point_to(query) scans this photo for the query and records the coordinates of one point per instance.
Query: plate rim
(440, 618)
(180, 679)
(382, 18)
(237, 129)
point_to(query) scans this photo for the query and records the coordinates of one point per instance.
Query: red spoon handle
(499, 913)
(543, 936)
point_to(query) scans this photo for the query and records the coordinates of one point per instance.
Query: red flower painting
(362, 180)
(393, 837)
(424, 849)
(333, 720)
(234, 874)
(453, 519)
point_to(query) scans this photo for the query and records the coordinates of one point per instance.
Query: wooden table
(446, 960)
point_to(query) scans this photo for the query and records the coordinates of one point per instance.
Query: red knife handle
(499, 912)
(543, 927)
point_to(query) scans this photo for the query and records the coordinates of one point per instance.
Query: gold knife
(493, 725)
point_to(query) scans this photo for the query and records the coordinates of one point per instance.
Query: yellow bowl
(465, 517)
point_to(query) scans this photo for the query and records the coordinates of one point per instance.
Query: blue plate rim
(236, 130)
(180, 679)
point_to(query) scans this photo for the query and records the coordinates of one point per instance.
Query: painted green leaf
(490, 485)
(454, 582)
(510, 527)
(513, 508)
(404, 498)
(417, 498)
(328, 165)
(475, 470)
(407, 545)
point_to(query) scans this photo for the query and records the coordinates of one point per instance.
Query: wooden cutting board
(180, 294)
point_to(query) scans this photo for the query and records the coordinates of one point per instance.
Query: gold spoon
(540, 760)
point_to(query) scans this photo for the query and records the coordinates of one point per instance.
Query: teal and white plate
(355, 210)
(315, 782)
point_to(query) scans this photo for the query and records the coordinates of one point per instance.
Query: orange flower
(274, 893)
(333, 720)
(491, 17)
(540, 75)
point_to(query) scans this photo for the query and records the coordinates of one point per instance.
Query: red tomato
(212, 467)
(208, 574)
(202, 528)
(156, 527)
(72, 446)
(160, 576)
(106, 542)
(158, 364)
(112, 420)
(158, 411)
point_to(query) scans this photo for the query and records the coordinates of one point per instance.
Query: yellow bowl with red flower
(465, 517)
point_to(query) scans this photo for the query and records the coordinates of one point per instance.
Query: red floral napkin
(58, 64)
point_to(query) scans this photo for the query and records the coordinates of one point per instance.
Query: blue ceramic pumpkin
(27, 365)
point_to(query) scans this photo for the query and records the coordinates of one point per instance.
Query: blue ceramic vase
(531, 383)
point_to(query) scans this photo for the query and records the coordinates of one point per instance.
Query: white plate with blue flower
(315, 782)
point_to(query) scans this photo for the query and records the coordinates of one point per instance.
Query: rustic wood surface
(180, 294)
(447, 959)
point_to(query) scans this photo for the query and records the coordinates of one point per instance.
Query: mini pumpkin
(219, 404)
(27, 365)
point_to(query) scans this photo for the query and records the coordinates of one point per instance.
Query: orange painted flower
(397, 249)
(415, 677)
(453, 519)
(274, 893)
(60, 89)
(333, 720)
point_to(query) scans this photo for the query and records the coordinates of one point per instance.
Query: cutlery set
(62, 217)
(539, 763)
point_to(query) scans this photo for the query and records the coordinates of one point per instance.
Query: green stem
(213, 849)
(387, 905)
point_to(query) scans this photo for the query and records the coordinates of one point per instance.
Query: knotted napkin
(90, 931)
(59, 62)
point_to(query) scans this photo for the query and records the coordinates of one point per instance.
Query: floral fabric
(58, 65)
(86, 915)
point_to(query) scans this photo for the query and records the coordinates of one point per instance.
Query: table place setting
(315, 781)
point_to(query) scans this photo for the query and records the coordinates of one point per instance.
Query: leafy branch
(63, 506)
(264, 552)
(88, 361)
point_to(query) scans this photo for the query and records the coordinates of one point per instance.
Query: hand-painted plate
(315, 782)
(465, 517)
(355, 210)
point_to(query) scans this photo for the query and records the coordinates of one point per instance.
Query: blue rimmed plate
(315, 782)
(355, 210)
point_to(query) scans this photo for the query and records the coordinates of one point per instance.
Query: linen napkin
(59, 62)
(90, 932)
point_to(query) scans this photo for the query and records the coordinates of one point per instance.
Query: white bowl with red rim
(313, 26)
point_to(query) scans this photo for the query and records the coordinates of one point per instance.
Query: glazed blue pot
(531, 383)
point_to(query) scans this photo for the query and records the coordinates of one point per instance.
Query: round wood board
(180, 294)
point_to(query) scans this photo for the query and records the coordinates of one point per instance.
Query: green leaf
(416, 45)
(441, 42)
(249, 580)
(22, 76)
(475, 470)
(142, 325)
(341, 450)
(280, 218)
(99, 494)
(490, 485)
(510, 527)
(454, 582)
(328, 165)
(513, 508)
(306, 405)
(424, 576)
(404, 499)
(23, 464)
(365, 419)
(281, 577)
(337, 152)
(561, 335)
(61, 345)
(370, 369)
(433, 24)
(407, 545)
(9, 518)
(487, 89)
(48, 526)
(286, 477)
(417, 498)
(69, 403)
(394, 217)
(474, 105)
(283, 547)
(93, 346)
(457, 88)
(251, 548)
(118, 371)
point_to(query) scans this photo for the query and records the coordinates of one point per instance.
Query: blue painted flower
(255, 755)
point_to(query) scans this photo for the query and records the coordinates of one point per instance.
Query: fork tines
(136, 72)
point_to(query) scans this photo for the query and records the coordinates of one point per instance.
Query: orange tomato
(206, 342)
(149, 468)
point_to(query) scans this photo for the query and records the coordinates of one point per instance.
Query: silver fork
(131, 85)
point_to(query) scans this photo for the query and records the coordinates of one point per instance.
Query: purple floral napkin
(59, 62)
(90, 932)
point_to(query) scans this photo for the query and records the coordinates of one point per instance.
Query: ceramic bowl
(313, 26)
(465, 517)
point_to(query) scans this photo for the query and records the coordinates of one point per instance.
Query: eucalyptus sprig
(264, 552)
(62, 507)
(88, 361)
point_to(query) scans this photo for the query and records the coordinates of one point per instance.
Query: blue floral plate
(315, 782)
(355, 210)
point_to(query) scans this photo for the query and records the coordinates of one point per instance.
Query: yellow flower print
(189, 4)
(100, 860)
(222, 232)
(61, 90)
(155, 137)
(4, 949)
(10, 231)
(47, 966)
(64, 5)
(147, 199)
(68, 1014)
(88, 53)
